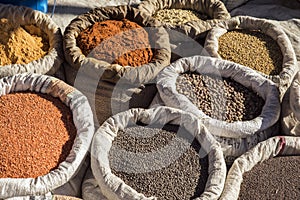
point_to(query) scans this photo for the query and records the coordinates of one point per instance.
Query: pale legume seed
(220, 98)
(253, 49)
(178, 16)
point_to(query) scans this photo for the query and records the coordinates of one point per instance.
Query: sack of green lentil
(30, 42)
(267, 171)
(237, 105)
(150, 154)
(255, 43)
(117, 42)
(291, 109)
(189, 17)
(46, 130)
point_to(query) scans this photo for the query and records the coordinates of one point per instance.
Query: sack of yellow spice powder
(23, 18)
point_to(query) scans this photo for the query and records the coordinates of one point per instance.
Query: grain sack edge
(113, 72)
(83, 120)
(53, 60)
(289, 65)
(194, 29)
(114, 188)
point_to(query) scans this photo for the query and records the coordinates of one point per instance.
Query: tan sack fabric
(275, 146)
(52, 61)
(289, 65)
(158, 37)
(215, 9)
(83, 120)
(113, 187)
(236, 137)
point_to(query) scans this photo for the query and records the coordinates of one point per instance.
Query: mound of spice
(36, 134)
(253, 49)
(275, 178)
(170, 166)
(118, 42)
(178, 16)
(21, 45)
(220, 98)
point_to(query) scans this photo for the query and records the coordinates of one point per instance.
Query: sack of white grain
(267, 171)
(24, 20)
(157, 147)
(290, 119)
(189, 17)
(51, 152)
(255, 43)
(220, 93)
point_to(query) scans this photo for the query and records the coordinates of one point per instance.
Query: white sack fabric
(289, 65)
(52, 61)
(236, 137)
(113, 187)
(275, 146)
(214, 9)
(83, 121)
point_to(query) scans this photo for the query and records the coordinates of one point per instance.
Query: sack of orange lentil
(192, 18)
(291, 109)
(29, 42)
(116, 42)
(270, 170)
(255, 43)
(160, 153)
(46, 131)
(238, 106)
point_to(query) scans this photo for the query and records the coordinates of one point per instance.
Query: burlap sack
(215, 9)
(236, 137)
(113, 187)
(48, 64)
(289, 65)
(158, 37)
(291, 109)
(83, 120)
(275, 146)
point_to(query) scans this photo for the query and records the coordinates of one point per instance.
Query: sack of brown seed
(291, 109)
(23, 16)
(189, 17)
(158, 153)
(158, 38)
(237, 105)
(272, 180)
(260, 47)
(66, 174)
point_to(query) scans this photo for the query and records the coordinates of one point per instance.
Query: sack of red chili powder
(38, 24)
(116, 42)
(237, 105)
(205, 15)
(264, 45)
(267, 171)
(150, 153)
(54, 126)
(291, 109)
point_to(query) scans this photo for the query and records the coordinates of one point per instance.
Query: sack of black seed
(23, 27)
(291, 109)
(232, 4)
(189, 17)
(237, 105)
(161, 153)
(267, 171)
(116, 42)
(255, 43)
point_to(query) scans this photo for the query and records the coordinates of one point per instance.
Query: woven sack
(158, 37)
(289, 65)
(236, 137)
(52, 61)
(83, 121)
(113, 187)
